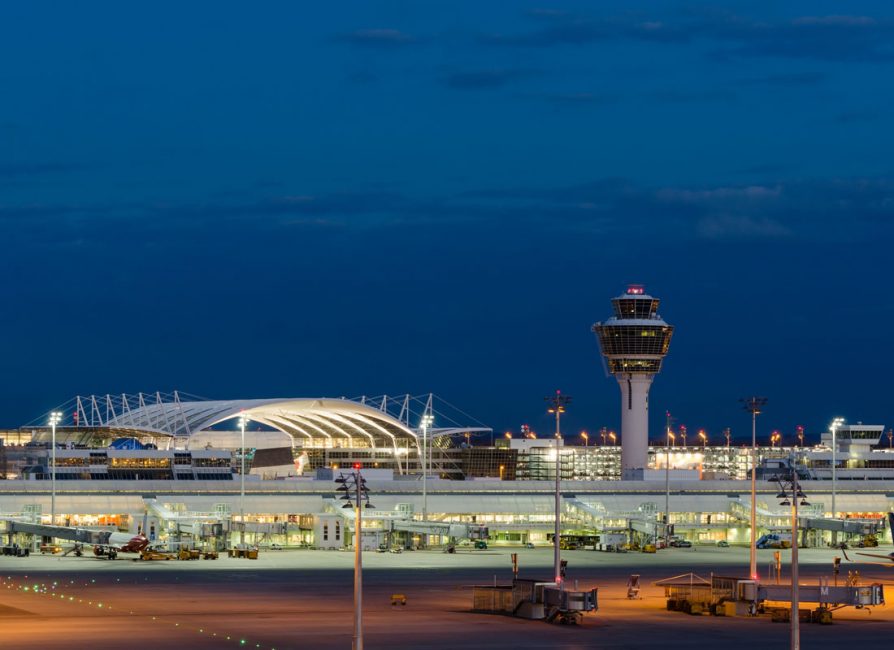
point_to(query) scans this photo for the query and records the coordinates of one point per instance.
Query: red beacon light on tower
(635, 290)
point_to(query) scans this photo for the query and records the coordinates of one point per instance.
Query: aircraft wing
(890, 558)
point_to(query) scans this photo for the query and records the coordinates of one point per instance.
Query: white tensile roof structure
(312, 422)
(335, 421)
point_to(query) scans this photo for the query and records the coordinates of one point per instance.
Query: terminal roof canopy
(341, 421)
(371, 422)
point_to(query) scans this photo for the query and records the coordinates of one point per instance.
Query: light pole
(754, 406)
(614, 438)
(243, 420)
(55, 418)
(667, 440)
(667, 488)
(704, 437)
(800, 432)
(683, 434)
(586, 437)
(427, 421)
(357, 495)
(727, 434)
(603, 432)
(557, 404)
(836, 424)
(794, 490)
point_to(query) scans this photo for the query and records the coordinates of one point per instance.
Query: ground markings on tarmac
(56, 590)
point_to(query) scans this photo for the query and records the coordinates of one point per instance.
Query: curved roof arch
(334, 419)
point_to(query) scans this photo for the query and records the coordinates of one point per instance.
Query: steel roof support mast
(557, 404)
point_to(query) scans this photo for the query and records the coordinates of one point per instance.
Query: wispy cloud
(486, 79)
(826, 209)
(740, 227)
(793, 79)
(23, 169)
(682, 96)
(570, 29)
(377, 38)
(850, 117)
(824, 38)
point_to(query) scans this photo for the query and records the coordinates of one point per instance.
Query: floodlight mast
(243, 420)
(837, 423)
(793, 489)
(357, 495)
(55, 418)
(753, 405)
(426, 424)
(557, 404)
(667, 492)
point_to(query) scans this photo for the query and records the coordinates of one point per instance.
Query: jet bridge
(732, 596)
(200, 527)
(439, 528)
(82, 535)
(401, 521)
(848, 526)
(831, 597)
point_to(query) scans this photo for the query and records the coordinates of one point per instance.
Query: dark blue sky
(344, 198)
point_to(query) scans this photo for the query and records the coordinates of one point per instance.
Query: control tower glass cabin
(634, 342)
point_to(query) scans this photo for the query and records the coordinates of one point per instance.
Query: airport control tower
(634, 342)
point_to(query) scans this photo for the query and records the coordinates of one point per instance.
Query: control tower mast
(634, 342)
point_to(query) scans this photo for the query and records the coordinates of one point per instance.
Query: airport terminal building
(181, 461)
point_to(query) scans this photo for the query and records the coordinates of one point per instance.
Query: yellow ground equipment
(149, 555)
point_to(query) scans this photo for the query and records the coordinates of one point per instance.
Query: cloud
(740, 227)
(793, 79)
(23, 169)
(486, 79)
(579, 99)
(835, 20)
(377, 38)
(765, 169)
(851, 117)
(675, 96)
(831, 209)
(748, 192)
(823, 38)
(568, 29)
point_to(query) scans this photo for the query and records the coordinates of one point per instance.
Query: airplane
(889, 557)
(121, 543)
(105, 543)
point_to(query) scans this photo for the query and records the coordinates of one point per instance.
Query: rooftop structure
(634, 342)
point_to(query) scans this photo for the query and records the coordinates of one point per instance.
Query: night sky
(306, 199)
